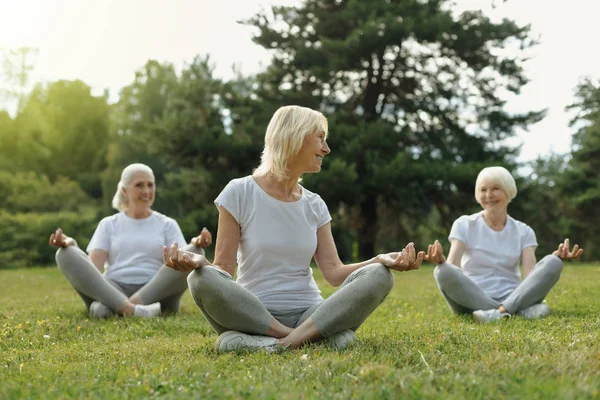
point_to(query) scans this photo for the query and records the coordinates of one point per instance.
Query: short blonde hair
(501, 177)
(284, 137)
(119, 201)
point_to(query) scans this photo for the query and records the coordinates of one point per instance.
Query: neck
(138, 213)
(286, 189)
(495, 218)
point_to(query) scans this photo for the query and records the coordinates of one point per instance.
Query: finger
(567, 244)
(419, 261)
(173, 252)
(194, 241)
(188, 262)
(412, 256)
(575, 249)
(51, 240)
(166, 258)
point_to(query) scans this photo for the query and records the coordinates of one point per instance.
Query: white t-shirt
(491, 259)
(278, 240)
(134, 246)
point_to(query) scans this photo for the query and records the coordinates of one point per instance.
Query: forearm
(230, 269)
(338, 275)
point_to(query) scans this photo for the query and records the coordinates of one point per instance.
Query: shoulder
(163, 219)
(522, 227)
(111, 220)
(312, 197)
(240, 184)
(465, 220)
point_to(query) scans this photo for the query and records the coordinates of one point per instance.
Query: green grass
(411, 347)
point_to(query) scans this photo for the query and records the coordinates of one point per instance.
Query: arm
(328, 260)
(228, 239)
(528, 260)
(457, 249)
(335, 272)
(98, 258)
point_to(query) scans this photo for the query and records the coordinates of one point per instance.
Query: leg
(167, 286)
(227, 305)
(360, 294)
(536, 286)
(87, 280)
(461, 293)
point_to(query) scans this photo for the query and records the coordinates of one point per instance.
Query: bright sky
(103, 42)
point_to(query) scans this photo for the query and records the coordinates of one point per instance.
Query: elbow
(333, 279)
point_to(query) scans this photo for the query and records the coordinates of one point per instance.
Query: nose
(326, 148)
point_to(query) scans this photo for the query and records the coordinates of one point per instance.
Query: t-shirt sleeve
(230, 199)
(173, 233)
(324, 216)
(101, 238)
(528, 239)
(459, 230)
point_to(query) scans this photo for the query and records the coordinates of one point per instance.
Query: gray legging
(166, 287)
(464, 296)
(227, 305)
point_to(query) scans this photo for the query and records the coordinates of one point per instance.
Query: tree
(178, 124)
(581, 184)
(414, 99)
(63, 130)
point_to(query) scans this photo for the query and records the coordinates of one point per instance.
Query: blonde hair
(284, 137)
(501, 177)
(119, 201)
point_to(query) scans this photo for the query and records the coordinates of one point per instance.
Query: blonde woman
(272, 227)
(130, 242)
(482, 275)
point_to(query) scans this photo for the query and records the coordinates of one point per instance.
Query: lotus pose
(131, 241)
(273, 226)
(482, 275)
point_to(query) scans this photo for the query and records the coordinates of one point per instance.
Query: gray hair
(284, 137)
(119, 201)
(500, 176)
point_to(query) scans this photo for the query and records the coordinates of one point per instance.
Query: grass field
(411, 347)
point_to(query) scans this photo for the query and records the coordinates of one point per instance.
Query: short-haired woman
(131, 241)
(482, 275)
(272, 227)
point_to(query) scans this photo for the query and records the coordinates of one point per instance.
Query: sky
(103, 43)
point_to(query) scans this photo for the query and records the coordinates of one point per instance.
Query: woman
(135, 282)
(482, 274)
(276, 226)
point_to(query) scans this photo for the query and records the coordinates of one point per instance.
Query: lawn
(411, 347)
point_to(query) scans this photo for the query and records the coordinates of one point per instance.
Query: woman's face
(491, 196)
(140, 191)
(310, 157)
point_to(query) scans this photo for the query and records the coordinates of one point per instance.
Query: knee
(62, 255)
(443, 273)
(553, 265)
(201, 280)
(384, 277)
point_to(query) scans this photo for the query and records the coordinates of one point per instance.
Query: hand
(435, 253)
(59, 239)
(181, 260)
(405, 260)
(564, 253)
(204, 239)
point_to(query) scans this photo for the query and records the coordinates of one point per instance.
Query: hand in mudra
(181, 260)
(204, 239)
(405, 260)
(59, 239)
(564, 253)
(435, 253)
